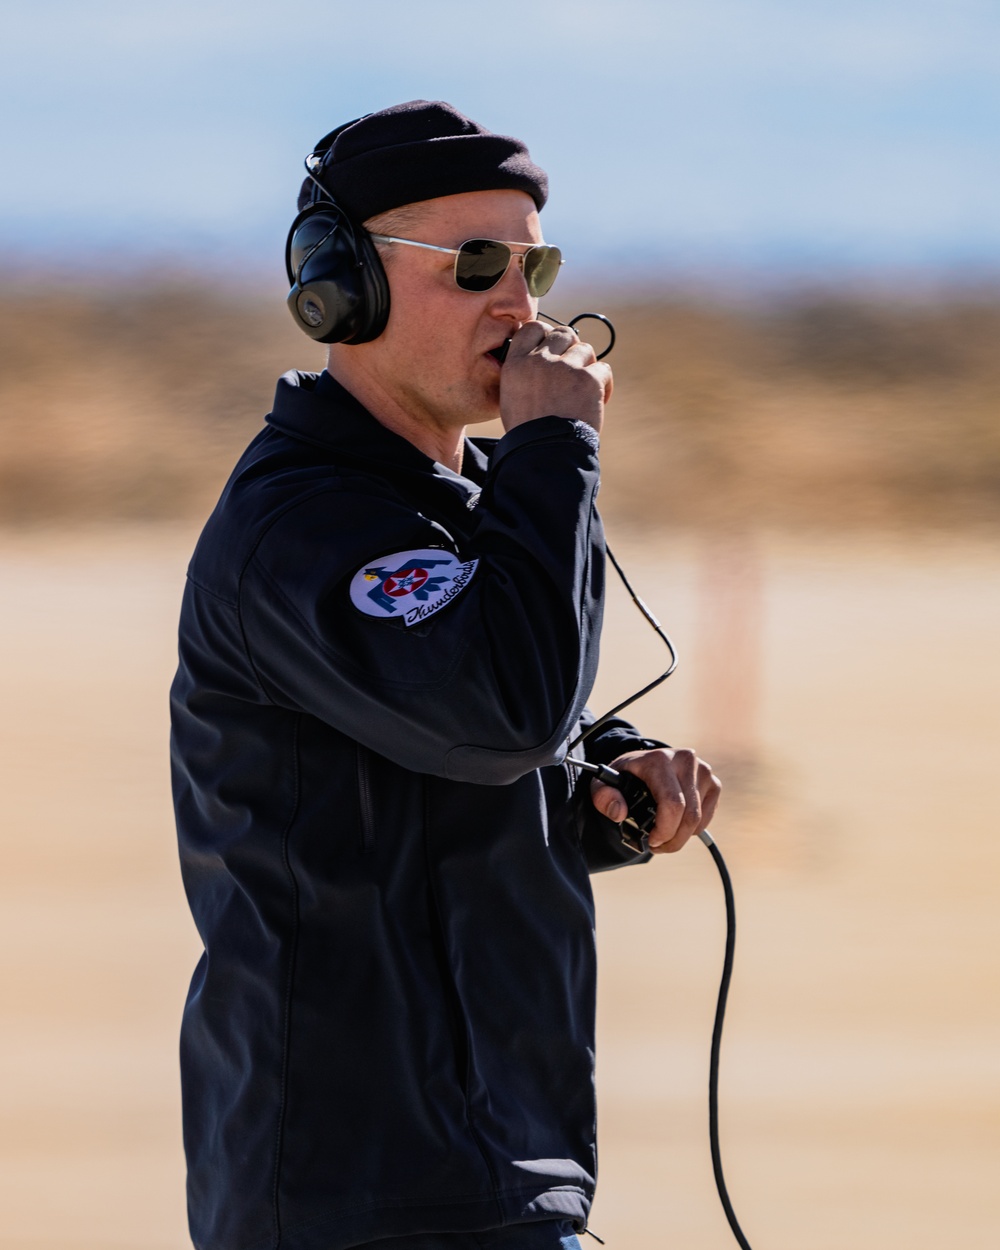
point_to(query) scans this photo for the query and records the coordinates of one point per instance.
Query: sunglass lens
(541, 268)
(480, 264)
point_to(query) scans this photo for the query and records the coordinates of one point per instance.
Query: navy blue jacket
(391, 1029)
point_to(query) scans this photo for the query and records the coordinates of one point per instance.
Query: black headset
(340, 293)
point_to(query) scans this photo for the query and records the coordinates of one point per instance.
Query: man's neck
(445, 444)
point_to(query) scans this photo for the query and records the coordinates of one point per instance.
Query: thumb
(608, 801)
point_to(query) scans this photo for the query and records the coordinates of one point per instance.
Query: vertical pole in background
(727, 653)
(727, 649)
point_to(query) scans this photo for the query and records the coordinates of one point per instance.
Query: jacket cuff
(545, 430)
(605, 747)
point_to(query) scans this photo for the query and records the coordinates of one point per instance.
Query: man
(387, 639)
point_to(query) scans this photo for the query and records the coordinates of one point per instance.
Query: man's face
(433, 359)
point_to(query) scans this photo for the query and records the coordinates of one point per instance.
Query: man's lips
(499, 353)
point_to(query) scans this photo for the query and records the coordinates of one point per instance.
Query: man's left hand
(684, 788)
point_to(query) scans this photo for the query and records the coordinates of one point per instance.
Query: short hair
(402, 222)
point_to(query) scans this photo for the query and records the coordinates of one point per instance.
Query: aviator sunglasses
(481, 263)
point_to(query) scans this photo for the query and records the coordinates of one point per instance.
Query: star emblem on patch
(410, 585)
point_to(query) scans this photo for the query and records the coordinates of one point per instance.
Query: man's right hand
(549, 372)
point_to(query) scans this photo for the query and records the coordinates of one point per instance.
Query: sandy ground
(861, 1065)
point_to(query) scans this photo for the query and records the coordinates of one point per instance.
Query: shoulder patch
(410, 585)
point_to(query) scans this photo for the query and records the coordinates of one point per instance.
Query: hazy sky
(704, 132)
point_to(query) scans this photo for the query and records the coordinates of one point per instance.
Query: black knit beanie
(417, 151)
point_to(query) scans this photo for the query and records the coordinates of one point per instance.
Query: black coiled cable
(720, 1015)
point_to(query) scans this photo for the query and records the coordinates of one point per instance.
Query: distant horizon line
(728, 274)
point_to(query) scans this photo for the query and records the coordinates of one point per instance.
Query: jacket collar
(316, 409)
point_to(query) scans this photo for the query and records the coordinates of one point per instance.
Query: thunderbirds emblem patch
(410, 585)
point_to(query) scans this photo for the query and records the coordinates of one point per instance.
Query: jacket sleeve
(489, 687)
(602, 844)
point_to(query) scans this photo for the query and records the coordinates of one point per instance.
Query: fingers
(678, 803)
(565, 343)
(535, 336)
(603, 372)
(710, 789)
(527, 338)
(550, 372)
(608, 801)
(684, 788)
(690, 797)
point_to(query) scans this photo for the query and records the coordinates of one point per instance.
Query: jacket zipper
(365, 800)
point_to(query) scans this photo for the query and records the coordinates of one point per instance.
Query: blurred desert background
(792, 213)
(805, 487)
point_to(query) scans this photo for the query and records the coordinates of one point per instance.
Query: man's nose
(511, 296)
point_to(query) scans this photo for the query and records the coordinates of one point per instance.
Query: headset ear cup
(340, 293)
(318, 310)
(375, 286)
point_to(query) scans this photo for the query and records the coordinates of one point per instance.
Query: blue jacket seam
(212, 594)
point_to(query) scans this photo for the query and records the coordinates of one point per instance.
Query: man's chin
(486, 406)
(485, 412)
